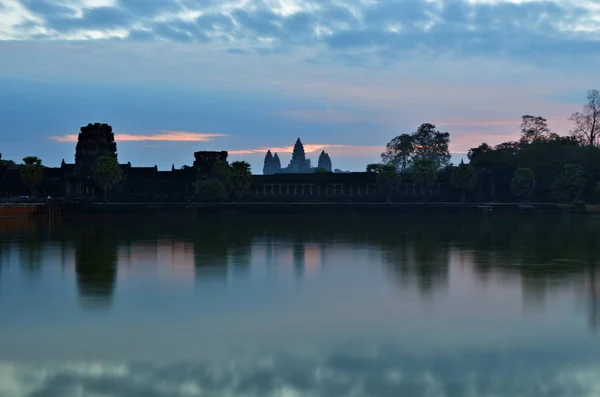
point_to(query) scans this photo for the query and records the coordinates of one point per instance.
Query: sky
(176, 76)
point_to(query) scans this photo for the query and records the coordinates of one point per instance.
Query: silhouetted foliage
(32, 173)
(240, 179)
(388, 178)
(107, 174)
(587, 123)
(425, 174)
(221, 171)
(463, 178)
(533, 128)
(570, 183)
(398, 152)
(211, 190)
(426, 143)
(431, 144)
(523, 183)
(544, 152)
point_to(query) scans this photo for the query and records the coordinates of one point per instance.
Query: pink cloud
(163, 135)
(339, 150)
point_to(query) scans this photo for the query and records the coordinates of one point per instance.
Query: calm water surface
(301, 306)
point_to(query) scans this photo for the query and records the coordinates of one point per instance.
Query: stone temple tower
(94, 141)
(298, 164)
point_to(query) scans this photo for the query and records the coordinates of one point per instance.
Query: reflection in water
(594, 298)
(96, 253)
(541, 255)
(411, 306)
(298, 258)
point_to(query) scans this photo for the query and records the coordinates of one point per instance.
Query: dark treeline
(542, 165)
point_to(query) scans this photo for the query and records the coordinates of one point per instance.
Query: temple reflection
(96, 252)
(539, 257)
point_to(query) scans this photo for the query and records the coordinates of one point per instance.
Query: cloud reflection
(388, 371)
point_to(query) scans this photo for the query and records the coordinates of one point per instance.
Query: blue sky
(176, 76)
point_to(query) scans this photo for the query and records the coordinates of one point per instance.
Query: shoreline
(191, 209)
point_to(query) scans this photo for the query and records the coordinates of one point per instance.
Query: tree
(107, 174)
(388, 178)
(463, 178)
(430, 144)
(425, 174)
(534, 128)
(570, 183)
(32, 172)
(587, 122)
(241, 178)
(523, 183)
(398, 152)
(211, 190)
(221, 171)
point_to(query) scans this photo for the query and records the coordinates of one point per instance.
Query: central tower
(298, 162)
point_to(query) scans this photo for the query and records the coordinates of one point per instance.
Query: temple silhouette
(299, 164)
(298, 181)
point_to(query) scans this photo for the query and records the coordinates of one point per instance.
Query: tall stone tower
(268, 165)
(324, 162)
(298, 164)
(94, 141)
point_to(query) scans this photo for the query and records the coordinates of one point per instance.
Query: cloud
(163, 135)
(338, 150)
(359, 32)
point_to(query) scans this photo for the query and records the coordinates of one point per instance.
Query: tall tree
(534, 128)
(32, 172)
(221, 171)
(107, 174)
(463, 178)
(398, 152)
(431, 144)
(425, 174)
(388, 178)
(570, 183)
(241, 178)
(523, 183)
(587, 123)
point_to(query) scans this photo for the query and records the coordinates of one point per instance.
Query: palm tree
(241, 178)
(32, 172)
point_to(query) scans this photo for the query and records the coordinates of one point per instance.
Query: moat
(301, 305)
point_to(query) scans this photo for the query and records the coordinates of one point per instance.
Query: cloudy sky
(176, 76)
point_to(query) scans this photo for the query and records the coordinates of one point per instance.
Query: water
(301, 306)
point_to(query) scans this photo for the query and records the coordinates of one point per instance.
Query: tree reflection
(96, 252)
(594, 298)
(298, 258)
(538, 253)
